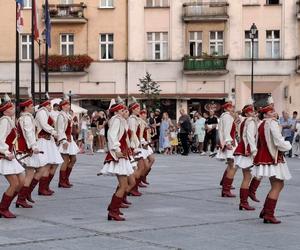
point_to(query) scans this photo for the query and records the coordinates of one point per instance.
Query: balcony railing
(67, 13)
(209, 11)
(205, 65)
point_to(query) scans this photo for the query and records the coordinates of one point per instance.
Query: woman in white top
(67, 146)
(9, 166)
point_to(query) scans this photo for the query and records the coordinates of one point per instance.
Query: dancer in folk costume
(28, 150)
(67, 146)
(51, 157)
(270, 161)
(9, 166)
(117, 161)
(227, 131)
(245, 152)
(145, 138)
(135, 144)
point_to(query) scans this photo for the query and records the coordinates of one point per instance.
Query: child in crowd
(167, 145)
(89, 142)
(173, 140)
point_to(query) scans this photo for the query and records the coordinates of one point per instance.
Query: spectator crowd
(195, 132)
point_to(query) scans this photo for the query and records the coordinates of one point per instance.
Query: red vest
(69, 131)
(263, 156)
(232, 133)
(10, 139)
(43, 133)
(22, 145)
(124, 149)
(241, 149)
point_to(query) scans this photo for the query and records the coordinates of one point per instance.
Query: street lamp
(70, 98)
(253, 32)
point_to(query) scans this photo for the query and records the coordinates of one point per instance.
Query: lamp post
(253, 32)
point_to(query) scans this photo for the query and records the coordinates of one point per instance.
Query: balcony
(67, 13)
(66, 65)
(205, 65)
(205, 12)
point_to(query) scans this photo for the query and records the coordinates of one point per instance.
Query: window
(195, 43)
(27, 4)
(66, 1)
(157, 45)
(106, 46)
(106, 4)
(273, 43)
(67, 44)
(157, 3)
(248, 47)
(25, 47)
(270, 2)
(216, 43)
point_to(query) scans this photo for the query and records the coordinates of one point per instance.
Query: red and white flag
(20, 20)
(35, 20)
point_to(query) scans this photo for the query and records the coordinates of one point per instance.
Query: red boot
(252, 189)
(125, 201)
(269, 212)
(43, 187)
(68, 173)
(244, 200)
(135, 190)
(50, 177)
(33, 184)
(114, 206)
(224, 175)
(21, 201)
(226, 188)
(62, 180)
(4, 206)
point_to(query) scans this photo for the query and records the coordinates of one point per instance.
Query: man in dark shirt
(156, 125)
(185, 129)
(211, 132)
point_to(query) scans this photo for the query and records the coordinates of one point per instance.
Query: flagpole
(32, 51)
(47, 23)
(17, 65)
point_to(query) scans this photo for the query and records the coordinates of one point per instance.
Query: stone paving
(181, 209)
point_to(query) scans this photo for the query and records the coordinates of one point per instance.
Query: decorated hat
(65, 101)
(134, 104)
(269, 106)
(249, 107)
(46, 101)
(116, 107)
(6, 103)
(228, 103)
(27, 102)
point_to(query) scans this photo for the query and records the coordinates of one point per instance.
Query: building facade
(198, 51)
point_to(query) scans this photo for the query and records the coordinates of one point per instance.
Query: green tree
(150, 90)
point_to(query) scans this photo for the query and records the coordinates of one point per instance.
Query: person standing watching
(211, 132)
(185, 129)
(287, 128)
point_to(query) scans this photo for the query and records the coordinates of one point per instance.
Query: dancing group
(35, 146)
(259, 153)
(130, 157)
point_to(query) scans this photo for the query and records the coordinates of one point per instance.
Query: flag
(35, 20)
(20, 21)
(47, 25)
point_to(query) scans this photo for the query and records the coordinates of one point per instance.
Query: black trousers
(210, 137)
(184, 142)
